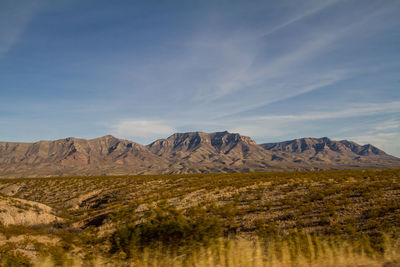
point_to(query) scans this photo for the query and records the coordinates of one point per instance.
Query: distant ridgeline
(193, 152)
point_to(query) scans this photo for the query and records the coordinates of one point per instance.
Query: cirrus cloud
(142, 129)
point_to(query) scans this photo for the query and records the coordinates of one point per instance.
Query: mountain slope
(73, 156)
(193, 152)
(327, 151)
(211, 152)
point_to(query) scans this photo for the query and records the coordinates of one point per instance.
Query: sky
(141, 70)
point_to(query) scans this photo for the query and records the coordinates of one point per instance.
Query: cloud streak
(356, 111)
(15, 16)
(142, 129)
(223, 66)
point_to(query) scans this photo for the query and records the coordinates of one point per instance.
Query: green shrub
(167, 226)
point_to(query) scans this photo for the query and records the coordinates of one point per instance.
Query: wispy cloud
(216, 62)
(355, 111)
(221, 71)
(142, 129)
(15, 16)
(383, 134)
(285, 76)
(316, 7)
(222, 66)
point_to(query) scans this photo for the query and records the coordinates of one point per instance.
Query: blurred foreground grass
(312, 251)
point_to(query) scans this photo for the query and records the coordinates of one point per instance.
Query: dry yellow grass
(245, 253)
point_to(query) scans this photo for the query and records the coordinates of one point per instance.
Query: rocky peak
(217, 142)
(324, 145)
(106, 137)
(303, 145)
(220, 139)
(364, 150)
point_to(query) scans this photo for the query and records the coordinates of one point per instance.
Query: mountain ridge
(190, 152)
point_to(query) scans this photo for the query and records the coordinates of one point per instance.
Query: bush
(167, 226)
(10, 257)
(266, 230)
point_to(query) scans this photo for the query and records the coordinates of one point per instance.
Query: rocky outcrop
(14, 211)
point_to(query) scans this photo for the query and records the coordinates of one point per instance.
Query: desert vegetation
(320, 218)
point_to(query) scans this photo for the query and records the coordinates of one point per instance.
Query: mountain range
(192, 152)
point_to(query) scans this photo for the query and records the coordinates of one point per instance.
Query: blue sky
(141, 70)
